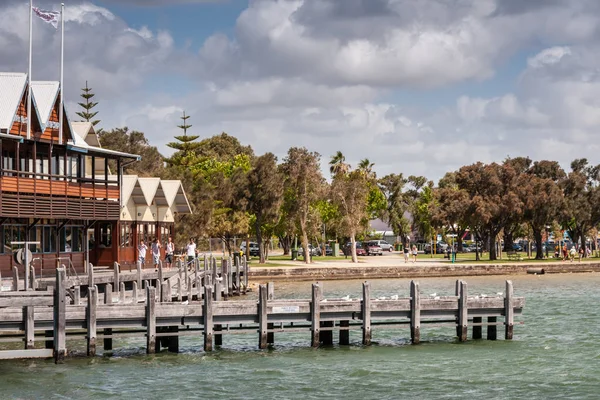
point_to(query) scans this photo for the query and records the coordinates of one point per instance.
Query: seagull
(185, 303)
(346, 298)
(394, 297)
(499, 294)
(483, 296)
(433, 294)
(324, 301)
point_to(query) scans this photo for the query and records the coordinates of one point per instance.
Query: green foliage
(208, 167)
(87, 114)
(133, 142)
(186, 146)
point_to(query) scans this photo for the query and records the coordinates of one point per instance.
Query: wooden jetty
(162, 316)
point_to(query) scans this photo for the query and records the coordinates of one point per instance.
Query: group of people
(156, 246)
(408, 252)
(571, 254)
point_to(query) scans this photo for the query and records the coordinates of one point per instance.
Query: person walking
(191, 251)
(581, 253)
(406, 249)
(156, 252)
(414, 253)
(142, 252)
(169, 251)
(565, 252)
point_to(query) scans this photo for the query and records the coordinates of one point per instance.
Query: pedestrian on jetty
(191, 250)
(572, 254)
(414, 253)
(169, 251)
(565, 252)
(406, 249)
(156, 252)
(142, 252)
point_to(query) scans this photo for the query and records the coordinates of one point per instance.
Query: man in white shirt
(191, 251)
(156, 252)
(169, 250)
(142, 252)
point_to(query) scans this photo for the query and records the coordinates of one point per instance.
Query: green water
(555, 354)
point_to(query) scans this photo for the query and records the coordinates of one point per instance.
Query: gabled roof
(87, 132)
(149, 188)
(148, 191)
(174, 190)
(12, 88)
(45, 94)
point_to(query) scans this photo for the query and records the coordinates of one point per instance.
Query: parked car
(517, 247)
(385, 246)
(373, 249)
(440, 248)
(328, 250)
(254, 250)
(313, 250)
(360, 251)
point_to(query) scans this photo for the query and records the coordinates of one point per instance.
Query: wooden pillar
(218, 327)
(344, 333)
(150, 320)
(60, 338)
(138, 266)
(477, 328)
(28, 319)
(122, 293)
(218, 291)
(225, 285)
(33, 281)
(315, 315)
(462, 312)
(366, 314)
(415, 313)
(116, 286)
(262, 317)
(165, 292)
(270, 325)
(77, 295)
(15, 285)
(215, 272)
(107, 340)
(207, 312)
(134, 293)
(238, 290)
(159, 281)
(492, 329)
(180, 290)
(91, 320)
(245, 272)
(509, 312)
(457, 294)
(90, 272)
(189, 289)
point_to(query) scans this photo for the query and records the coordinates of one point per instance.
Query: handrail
(28, 174)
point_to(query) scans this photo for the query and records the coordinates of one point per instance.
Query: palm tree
(338, 165)
(366, 167)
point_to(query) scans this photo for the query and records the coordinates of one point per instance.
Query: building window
(49, 239)
(105, 235)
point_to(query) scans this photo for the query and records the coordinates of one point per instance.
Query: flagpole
(62, 59)
(29, 118)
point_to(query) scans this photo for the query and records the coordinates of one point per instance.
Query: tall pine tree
(185, 146)
(88, 114)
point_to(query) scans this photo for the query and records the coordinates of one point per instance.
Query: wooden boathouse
(59, 194)
(196, 301)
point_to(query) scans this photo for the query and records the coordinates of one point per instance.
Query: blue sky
(416, 87)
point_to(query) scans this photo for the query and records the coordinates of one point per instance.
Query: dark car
(373, 249)
(360, 251)
(328, 250)
(440, 248)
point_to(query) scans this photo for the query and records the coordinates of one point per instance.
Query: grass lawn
(484, 258)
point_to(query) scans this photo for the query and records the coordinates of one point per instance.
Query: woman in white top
(169, 250)
(191, 251)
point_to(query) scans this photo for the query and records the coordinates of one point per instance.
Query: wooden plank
(150, 320)
(91, 320)
(366, 313)
(262, 317)
(415, 313)
(60, 339)
(463, 312)
(28, 318)
(315, 315)
(22, 354)
(508, 311)
(208, 318)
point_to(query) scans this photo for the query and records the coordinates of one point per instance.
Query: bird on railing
(433, 294)
(346, 298)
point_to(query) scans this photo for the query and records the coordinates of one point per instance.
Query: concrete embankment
(322, 271)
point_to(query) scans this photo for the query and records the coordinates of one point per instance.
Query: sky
(419, 87)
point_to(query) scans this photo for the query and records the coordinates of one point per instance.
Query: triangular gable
(127, 185)
(12, 90)
(46, 97)
(181, 204)
(170, 188)
(149, 187)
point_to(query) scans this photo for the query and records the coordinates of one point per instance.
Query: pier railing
(162, 316)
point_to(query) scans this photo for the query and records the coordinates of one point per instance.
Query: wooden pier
(204, 309)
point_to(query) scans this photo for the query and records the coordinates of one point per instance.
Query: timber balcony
(28, 194)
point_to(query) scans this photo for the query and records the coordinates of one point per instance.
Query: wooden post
(225, 285)
(15, 285)
(415, 313)
(33, 283)
(238, 290)
(165, 292)
(463, 312)
(477, 328)
(150, 320)
(134, 293)
(344, 333)
(262, 317)
(28, 318)
(60, 338)
(196, 272)
(76, 295)
(207, 312)
(457, 294)
(492, 329)
(138, 266)
(189, 288)
(245, 273)
(218, 291)
(509, 311)
(315, 315)
(160, 281)
(215, 272)
(91, 320)
(180, 290)
(90, 275)
(230, 276)
(108, 298)
(366, 314)
(270, 297)
(116, 268)
(122, 293)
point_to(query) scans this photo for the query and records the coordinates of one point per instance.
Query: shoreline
(337, 272)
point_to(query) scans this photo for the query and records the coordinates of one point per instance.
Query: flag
(50, 17)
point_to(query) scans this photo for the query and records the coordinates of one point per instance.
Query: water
(554, 354)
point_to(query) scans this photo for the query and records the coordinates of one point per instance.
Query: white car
(385, 246)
